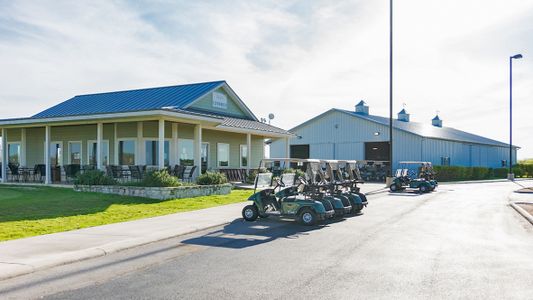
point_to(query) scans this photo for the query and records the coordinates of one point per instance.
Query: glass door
(205, 157)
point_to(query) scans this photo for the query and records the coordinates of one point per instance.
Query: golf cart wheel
(423, 189)
(393, 187)
(307, 217)
(250, 213)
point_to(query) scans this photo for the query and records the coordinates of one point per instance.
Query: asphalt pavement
(463, 241)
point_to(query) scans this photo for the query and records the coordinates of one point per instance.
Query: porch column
(249, 152)
(4, 156)
(161, 144)
(23, 147)
(99, 134)
(287, 148)
(115, 144)
(174, 160)
(140, 146)
(47, 155)
(198, 149)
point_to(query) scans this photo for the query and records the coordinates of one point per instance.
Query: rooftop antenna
(270, 117)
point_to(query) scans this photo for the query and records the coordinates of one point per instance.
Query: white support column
(161, 144)
(139, 160)
(115, 144)
(174, 159)
(287, 148)
(99, 135)
(4, 156)
(23, 147)
(249, 152)
(198, 149)
(47, 155)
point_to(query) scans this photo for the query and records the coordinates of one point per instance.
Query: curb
(89, 253)
(522, 211)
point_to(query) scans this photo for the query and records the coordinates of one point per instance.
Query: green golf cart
(281, 198)
(407, 176)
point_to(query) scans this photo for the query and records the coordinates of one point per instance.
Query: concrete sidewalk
(23, 256)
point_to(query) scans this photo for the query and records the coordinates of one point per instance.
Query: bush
(299, 173)
(94, 177)
(250, 179)
(159, 178)
(456, 173)
(209, 178)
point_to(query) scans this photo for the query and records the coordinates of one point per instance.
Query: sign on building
(220, 100)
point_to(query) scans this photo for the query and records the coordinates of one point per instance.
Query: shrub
(455, 173)
(209, 178)
(299, 173)
(94, 177)
(159, 178)
(250, 179)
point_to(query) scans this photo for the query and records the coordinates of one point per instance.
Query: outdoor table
(25, 173)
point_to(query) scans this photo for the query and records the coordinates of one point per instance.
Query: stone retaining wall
(161, 193)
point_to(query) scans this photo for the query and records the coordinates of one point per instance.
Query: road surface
(462, 241)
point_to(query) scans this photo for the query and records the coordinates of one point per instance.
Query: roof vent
(361, 108)
(403, 116)
(437, 122)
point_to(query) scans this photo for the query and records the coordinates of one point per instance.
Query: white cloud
(294, 58)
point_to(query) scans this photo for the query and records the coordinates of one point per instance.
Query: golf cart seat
(398, 173)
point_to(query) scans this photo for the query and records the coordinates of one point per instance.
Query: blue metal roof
(430, 131)
(178, 97)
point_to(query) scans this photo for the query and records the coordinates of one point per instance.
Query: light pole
(510, 176)
(390, 95)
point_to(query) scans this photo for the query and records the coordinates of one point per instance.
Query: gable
(219, 102)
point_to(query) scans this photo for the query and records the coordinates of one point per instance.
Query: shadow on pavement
(240, 234)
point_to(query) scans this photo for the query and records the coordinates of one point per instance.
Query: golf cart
(341, 186)
(284, 199)
(352, 176)
(427, 173)
(407, 176)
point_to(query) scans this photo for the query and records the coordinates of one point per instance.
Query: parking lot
(462, 241)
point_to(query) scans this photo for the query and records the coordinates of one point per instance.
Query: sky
(295, 59)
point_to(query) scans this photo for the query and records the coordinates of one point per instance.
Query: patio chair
(39, 171)
(14, 169)
(179, 171)
(71, 171)
(136, 172)
(187, 176)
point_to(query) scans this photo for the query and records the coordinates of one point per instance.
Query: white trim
(229, 155)
(240, 156)
(22, 156)
(174, 145)
(139, 149)
(90, 142)
(161, 143)
(47, 134)
(198, 149)
(208, 154)
(3, 172)
(69, 161)
(134, 140)
(114, 116)
(251, 131)
(115, 144)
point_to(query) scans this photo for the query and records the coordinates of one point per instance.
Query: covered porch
(55, 150)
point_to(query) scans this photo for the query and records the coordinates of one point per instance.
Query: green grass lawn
(29, 211)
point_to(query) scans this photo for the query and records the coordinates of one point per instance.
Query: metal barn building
(343, 134)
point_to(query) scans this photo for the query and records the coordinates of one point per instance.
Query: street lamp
(510, 176)
(389, 179)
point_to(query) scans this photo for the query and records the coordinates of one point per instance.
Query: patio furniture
(14, 169)
(39, 171)
(136, 172)
(71, 171)
(117, 172)
(189, 173)
(234, 175)
(179, 171)
(25, 174)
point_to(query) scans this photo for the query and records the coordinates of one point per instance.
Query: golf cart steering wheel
(280, 183)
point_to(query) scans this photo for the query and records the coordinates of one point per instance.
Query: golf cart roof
(290, 160)
(413, 162)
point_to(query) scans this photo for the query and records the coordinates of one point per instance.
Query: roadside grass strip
(29, 211)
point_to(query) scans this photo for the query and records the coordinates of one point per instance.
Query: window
(377, 151)
(299, 151)
(244, 156)
(445, 161)
(91, 152)
(126, 152)
(13, 153)
(186, 152)
(56, 154)
(152, 152)
(74, 153)
(205, 156)
(223, 155)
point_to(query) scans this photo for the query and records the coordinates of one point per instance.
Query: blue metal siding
(134, 100)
